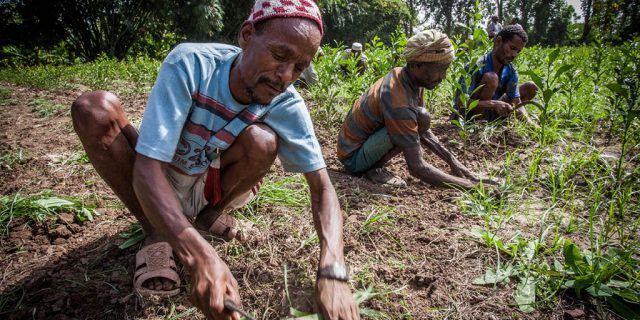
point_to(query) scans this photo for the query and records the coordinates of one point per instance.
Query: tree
(94, 27)
(546, 21)
(587, 7)
(610, 20)
(449, 15)
(232, 20)
(349, 21)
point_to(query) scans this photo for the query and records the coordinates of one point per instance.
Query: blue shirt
(191, 114)
(507, 81)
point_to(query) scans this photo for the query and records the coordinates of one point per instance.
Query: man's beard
(251, 90)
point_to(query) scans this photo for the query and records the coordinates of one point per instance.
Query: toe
(168, 285)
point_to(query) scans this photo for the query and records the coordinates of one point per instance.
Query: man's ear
(498, 41)
(247, 32)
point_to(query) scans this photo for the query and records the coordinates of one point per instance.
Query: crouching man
(390, 118)
(216, 118)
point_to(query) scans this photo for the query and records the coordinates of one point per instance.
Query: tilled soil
(420, 258)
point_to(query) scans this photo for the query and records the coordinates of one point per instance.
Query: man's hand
(502, 108)
(211, 282)
(335, 300)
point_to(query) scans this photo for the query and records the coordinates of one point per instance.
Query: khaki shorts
(191, 190)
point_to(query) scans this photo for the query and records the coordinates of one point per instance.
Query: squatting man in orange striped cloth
(390, 118)
(216, 119)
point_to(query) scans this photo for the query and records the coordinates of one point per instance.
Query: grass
(277, 190)
(123, 78)
(11, 159)
(44, 107)
(5, 96)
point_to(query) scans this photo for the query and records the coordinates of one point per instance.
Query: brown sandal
(226, 228)
(156, 261)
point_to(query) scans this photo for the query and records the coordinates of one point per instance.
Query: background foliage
(68, 31)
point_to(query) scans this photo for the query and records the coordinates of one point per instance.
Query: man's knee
(528, 91)
(490, 80)
(260, 143)
(95, 109)
(489, 83)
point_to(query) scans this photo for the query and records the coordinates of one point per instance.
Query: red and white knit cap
(267, 9)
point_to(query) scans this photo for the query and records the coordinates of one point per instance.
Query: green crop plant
(468, 51)
(549, 83)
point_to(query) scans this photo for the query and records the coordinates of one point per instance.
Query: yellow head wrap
(429, 46)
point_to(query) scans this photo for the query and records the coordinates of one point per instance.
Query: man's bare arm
(334, 296)
(428, 173)
(327, 217)
(211, 278)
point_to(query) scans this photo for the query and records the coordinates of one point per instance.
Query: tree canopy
(118, 28)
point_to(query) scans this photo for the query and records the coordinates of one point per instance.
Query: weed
(375, 221)
(133, 236)
(10, 159)
(42, 208)
(79, 157)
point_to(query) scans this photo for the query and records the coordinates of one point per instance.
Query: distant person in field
(354, 51)
(493, 27)
(391, 118)
(500, 96)
(309, 77)
(515, 22)
(216, 119)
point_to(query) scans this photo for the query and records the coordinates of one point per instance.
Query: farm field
(560, 240)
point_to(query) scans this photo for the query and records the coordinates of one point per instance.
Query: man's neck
(497, 66)
(235, 84)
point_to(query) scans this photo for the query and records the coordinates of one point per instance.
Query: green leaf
(530, 250)
(557, 266)
(494, 277)
(634, 114)
(535, 77)
(599, 290)
(53, 203)
(547, 94)
(617, 89)
(619, 284)
(553, 56)
(624, 308)
(371, 313)
(133, 238)
(363, 295)
(562, 70)
(525, 294)
(629, 295)
(297, 313)
(582, 282)
(573, 257)
(478, 232)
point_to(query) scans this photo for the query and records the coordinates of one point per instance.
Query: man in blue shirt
(215, 121)
(500, 96)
